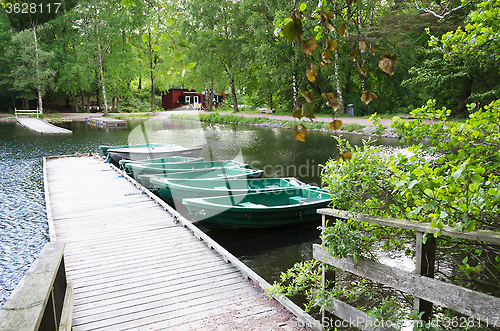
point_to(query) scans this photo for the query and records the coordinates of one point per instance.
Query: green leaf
(292, 30)
(473, 187)
(418, 172)
(302, 7)
(168, 21)
(178, 56)
(155, 48)
(477, 179)
(128, 3)
(297, 113)
(191, 65)
(443, 214)
(145, 38)
(308, 110)
(183, 43)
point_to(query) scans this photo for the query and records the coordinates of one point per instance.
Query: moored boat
(137, 169)
(170, 159)
(174, 190)
(151, 151)
(259, 210)
(217, 173)
(104, 148)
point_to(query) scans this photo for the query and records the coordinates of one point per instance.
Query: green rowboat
(259, 210)
(170, 159)
(104, 148)
(174, 190)
(216, 173)
(137, 169)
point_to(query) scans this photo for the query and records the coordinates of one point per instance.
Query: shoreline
(275, 121)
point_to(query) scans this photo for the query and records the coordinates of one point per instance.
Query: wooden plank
(119, 302)
(25, 307)
(102, 298)
(354, 317)
(166, 312)
(424, 266)
(40, 126)
(83, 288)
(67, 311)
(477, 235)
(152, 262)
(172, 302)
(478, 305)
(92, 294)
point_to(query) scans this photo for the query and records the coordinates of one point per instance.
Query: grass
(238, 119)
(128, 115)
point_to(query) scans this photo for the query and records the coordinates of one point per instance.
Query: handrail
(28, 111)
(37, 303)
(420, 283)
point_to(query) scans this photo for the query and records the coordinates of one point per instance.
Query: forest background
(125, 54)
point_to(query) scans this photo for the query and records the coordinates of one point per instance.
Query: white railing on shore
(28, 112)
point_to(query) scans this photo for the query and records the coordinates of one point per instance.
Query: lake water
(23, 219)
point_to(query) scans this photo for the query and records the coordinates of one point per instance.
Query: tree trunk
(74, 102)
(462, 100)
(339, 87)
(140, 81)
(26, 104)
(40, 105)
(117, 102)
(340, 95)
(363, 76)
(113, 104)
(83, 99)
(295, 92)
(151, 70)
(97, 97)
(13, 100)
(270, 101)
(233, 94)
(100, 65)
(88, 102)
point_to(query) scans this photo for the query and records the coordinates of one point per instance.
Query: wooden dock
(103, 122)
(41, 126)
(135, 263)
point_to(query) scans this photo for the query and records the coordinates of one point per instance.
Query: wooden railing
(42, 300)
(425, 290)
(28, 112)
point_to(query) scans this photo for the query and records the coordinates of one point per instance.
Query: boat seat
(251, 205)
(297, 200)
(221, 188)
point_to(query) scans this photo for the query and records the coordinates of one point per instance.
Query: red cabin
(176, 97)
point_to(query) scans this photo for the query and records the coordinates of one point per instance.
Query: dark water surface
(23, 219)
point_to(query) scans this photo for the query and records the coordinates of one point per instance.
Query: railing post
(424, 265)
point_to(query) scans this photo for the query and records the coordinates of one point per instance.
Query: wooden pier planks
(133, 268)
(41, 126)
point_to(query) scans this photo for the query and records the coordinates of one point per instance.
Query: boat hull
(146, 153)
(259, 210)
(178, 189)
(137, 169)
(217, 173)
